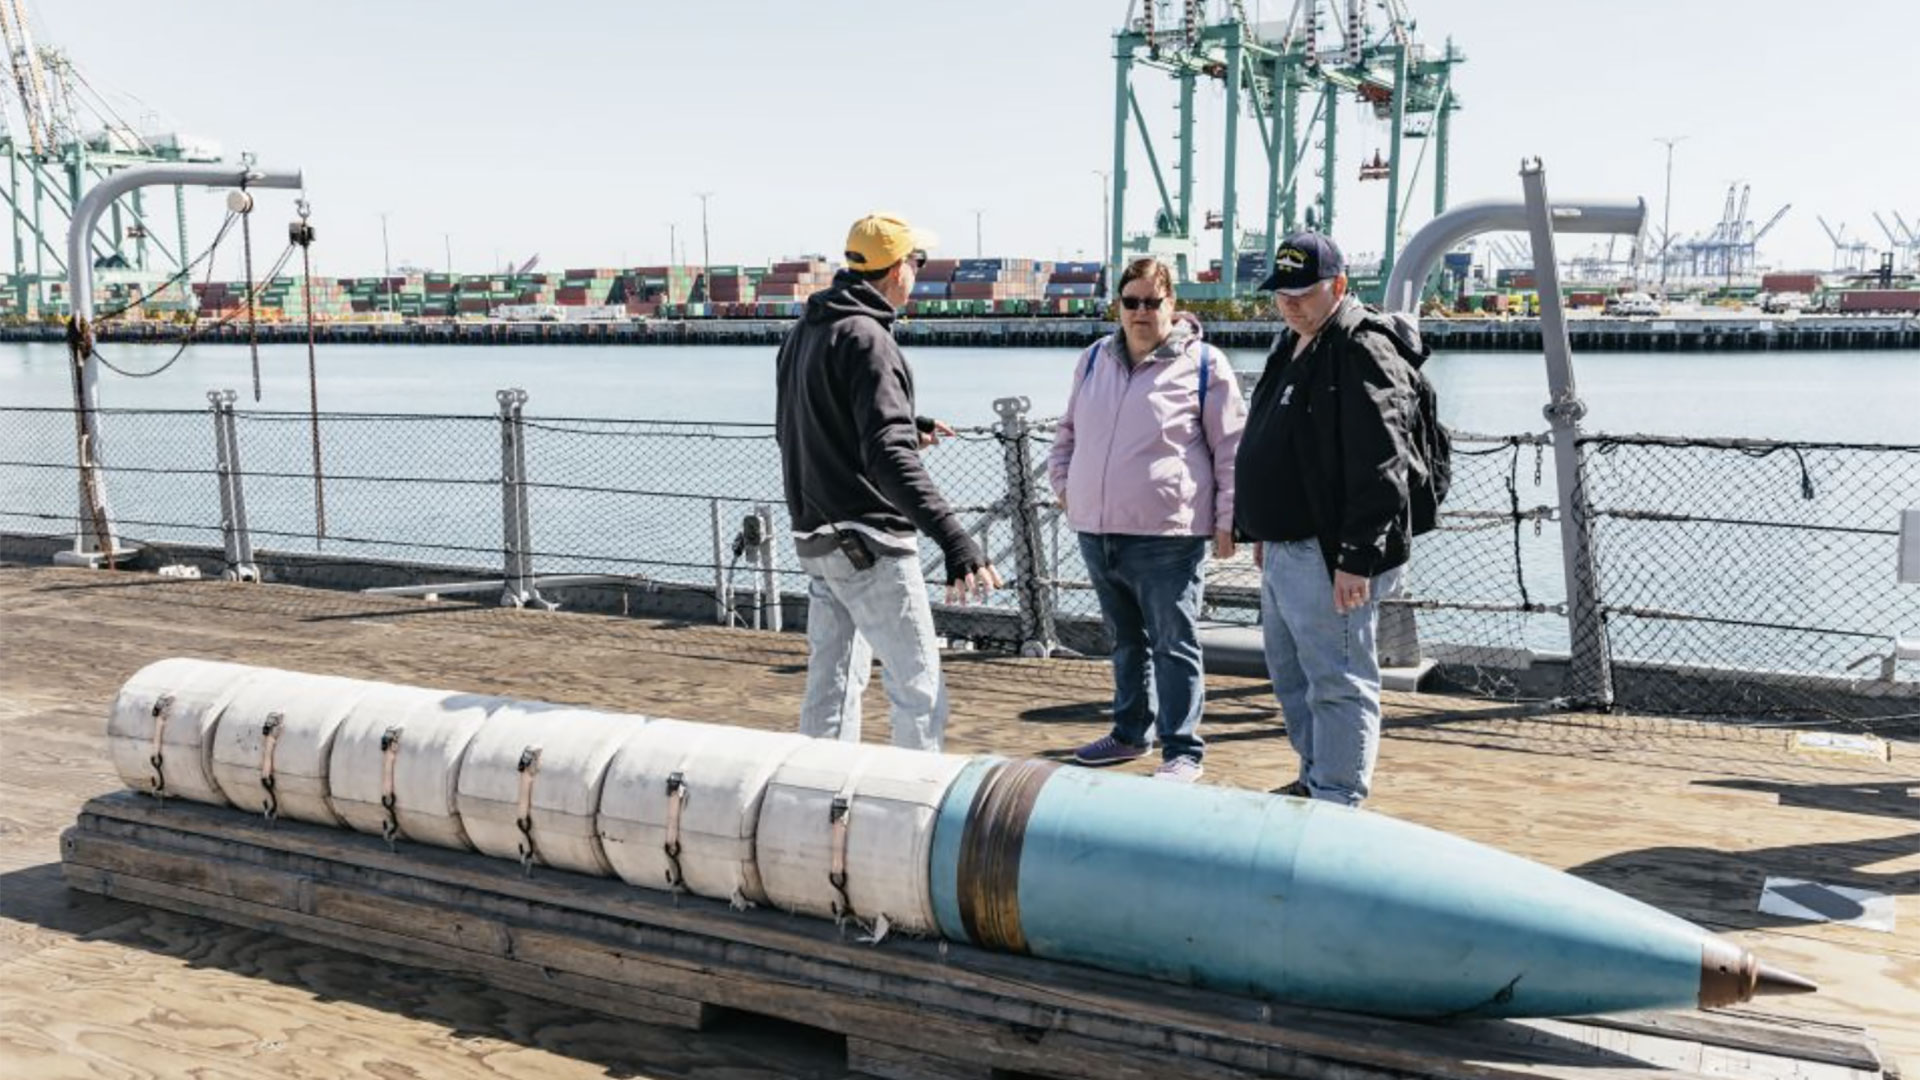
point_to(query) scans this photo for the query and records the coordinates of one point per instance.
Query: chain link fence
(1755, 578)
(1739, 579)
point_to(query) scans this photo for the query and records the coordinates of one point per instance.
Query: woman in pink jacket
(1143, 467)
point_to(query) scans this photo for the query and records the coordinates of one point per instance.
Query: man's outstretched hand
(975, 586)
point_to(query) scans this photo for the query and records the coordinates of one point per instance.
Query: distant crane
(1846, 256)
(1905, 242)
(1289, 79)
(53, 159)
(1730, 249)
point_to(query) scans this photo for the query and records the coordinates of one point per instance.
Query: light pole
(976, 233)
(447, 239)
(386, 263)
(706, 252)
(1666, 222)
(673, 244)
(1104, 237)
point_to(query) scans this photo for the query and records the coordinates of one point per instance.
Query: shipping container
(1892, 300)
(1798, 283)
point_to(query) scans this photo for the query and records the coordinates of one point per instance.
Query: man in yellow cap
(858, 496)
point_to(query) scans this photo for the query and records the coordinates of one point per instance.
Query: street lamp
(977, 253)
(386, 263)
(1666, 222)
(706, 252)
(1105, 239)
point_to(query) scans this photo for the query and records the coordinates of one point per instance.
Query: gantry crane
(1266, 70)
(53, 161)
(1903, 239)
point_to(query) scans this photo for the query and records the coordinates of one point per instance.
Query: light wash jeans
(1325, 669)
(1149, 589)
(854, 615)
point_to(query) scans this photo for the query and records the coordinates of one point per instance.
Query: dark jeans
(1149, 590)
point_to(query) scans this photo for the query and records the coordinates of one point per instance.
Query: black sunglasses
(918, 258)
(1135, 303)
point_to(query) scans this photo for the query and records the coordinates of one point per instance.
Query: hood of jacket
(846, 297)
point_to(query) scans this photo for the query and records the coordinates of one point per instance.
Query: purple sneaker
(1181, 770)
(1107, 750)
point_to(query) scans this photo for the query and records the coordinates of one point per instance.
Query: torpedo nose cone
(1730, 975)
(1773, 980)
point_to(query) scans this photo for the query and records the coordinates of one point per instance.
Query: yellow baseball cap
(879, 240)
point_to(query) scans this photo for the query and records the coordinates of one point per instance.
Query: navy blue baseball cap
(1302, 261)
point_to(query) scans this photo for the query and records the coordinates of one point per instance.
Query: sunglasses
(1135, 303)
(918, 258)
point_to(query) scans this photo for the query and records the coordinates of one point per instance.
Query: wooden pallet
(908, 1008)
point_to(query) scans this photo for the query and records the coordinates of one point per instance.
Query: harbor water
(1865, 396)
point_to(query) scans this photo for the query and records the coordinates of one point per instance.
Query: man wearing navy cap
(1322, 492)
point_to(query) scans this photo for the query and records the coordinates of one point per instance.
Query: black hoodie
(849, 442)
(1325, 450)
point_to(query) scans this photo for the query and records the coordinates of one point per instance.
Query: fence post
(235, 537)
(722, 602)
(771, 580)
(1591, 677)
(519, 589)
(1035, 592)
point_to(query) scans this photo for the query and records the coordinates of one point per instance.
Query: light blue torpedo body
(1301, 901)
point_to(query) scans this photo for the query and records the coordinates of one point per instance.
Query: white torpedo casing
(161, 731)
(395, 767)
(682, 804)
(530, 785)
(846, 830)
(274, 740)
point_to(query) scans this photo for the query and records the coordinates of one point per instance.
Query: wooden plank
(614, 952)
(565, 988)
(889, 1062)
(1739, 1030)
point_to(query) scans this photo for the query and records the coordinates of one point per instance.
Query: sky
(581, 131)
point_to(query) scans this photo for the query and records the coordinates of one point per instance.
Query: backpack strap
(1206, 376)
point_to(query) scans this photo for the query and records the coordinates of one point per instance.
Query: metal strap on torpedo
(269, 739)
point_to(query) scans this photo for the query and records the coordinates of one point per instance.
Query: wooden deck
(1689, 817)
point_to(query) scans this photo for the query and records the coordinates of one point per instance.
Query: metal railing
(1728, 577)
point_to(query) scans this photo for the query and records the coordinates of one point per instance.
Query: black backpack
(1430, 470)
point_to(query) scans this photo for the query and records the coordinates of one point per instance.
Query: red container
(1901, 300)
(1800, 283)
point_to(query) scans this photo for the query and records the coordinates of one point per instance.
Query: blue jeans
(1149, 590)
(1325, 669)
(854, 615)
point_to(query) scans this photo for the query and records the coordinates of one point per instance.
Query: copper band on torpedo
(988, 882)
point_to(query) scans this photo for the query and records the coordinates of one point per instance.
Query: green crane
(1270, 72)
(51, 164)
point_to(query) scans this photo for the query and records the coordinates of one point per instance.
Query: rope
(184, 272)
(192, 335)
(302, 235)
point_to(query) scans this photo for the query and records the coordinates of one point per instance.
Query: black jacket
(1332, 427)
(849, 442)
